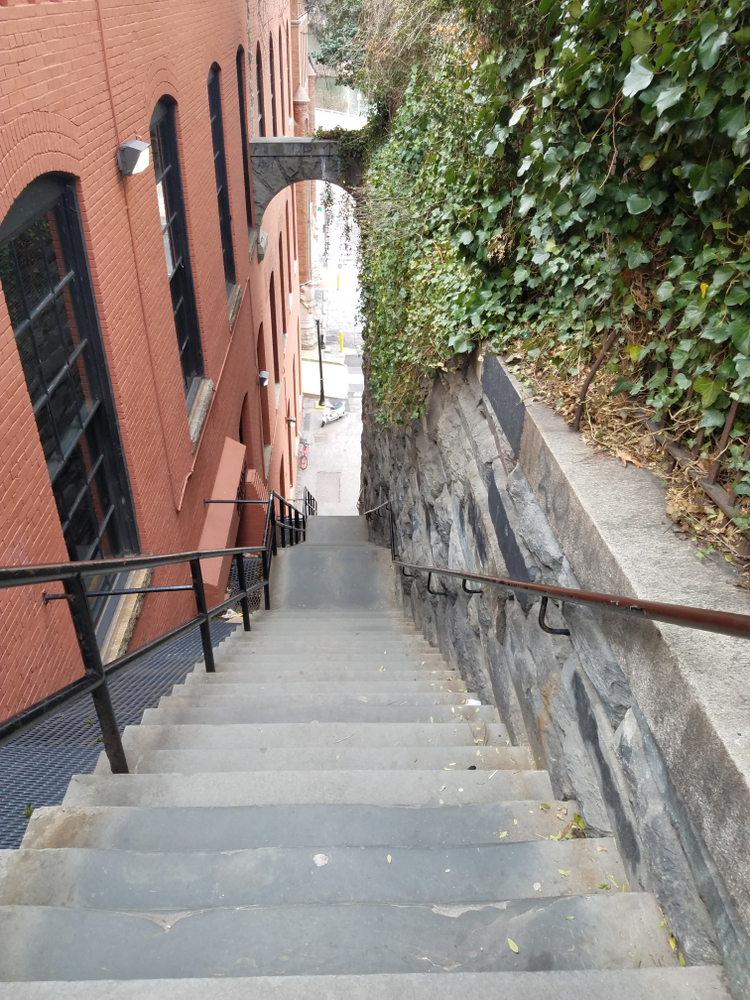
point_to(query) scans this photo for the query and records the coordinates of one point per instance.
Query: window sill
(123, 623)
(233, 304)
(199, 410)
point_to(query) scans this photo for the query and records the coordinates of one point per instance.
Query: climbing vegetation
(561, 173)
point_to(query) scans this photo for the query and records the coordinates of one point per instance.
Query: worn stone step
(326, 675)
(341, 758)
(175, 714)
(224, 828)
(699, 983)
(189, 880)
(250, 687)
(610, 931)
(413, 788)
(345, 652)
(269, 695)
(337, 661)
(322, 734)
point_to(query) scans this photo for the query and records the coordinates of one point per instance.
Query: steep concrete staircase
(329, 816)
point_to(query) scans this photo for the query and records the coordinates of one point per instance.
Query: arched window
(243, 134)
(174, 235)
(220, 172)
(259, 91)
(281, 83)
(47, 288)
(272, 77)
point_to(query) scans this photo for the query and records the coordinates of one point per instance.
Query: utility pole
(322, 400)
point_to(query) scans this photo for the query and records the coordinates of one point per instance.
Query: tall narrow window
(259, 91)
(274, 333)
(289, 70)
(281, 83)
(47, 288)
(272, 76)
(220, 172)
(243, 135)
(281, 279)
(174, 234)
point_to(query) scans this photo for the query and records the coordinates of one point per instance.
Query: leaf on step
(556, 836)
(440, 802)
(503, 834)
(537, 886)
(382, 668)
(515, 822)
(578, 820)
(565, 873)
(604, 885)
(570, 918)
(544, 806)
(389, 859)
(431, 719)
(614, 883)
(663, 923)
(672, 942)
(601, 848)
(680, 958)
(513, 946)
(321, 859)
(447, 870)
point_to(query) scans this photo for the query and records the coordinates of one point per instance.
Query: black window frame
(281, 84)
(243, 135)
(272, 75)
(259, 91)
(85, 458)
(164, 147)
(220, 173)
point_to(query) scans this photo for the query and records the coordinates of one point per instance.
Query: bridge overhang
(277, 163)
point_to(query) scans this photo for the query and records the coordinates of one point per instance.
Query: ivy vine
(558, 172)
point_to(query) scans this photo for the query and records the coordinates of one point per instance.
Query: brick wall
(73, 85)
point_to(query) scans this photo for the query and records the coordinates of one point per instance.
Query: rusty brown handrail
(704, 619)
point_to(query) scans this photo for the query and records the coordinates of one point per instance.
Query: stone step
(190, 880)
(260, 696)
(248, 686)
(341, 758)
(390, 788)
(175, 714)
(318, 654)
(223, 828)
(326, 675)
(610, 931)
(323, 734)
(315, 659)
(699, 983)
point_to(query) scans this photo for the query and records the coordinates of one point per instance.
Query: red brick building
(136, 312)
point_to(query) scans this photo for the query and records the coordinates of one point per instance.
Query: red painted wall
(77, 78)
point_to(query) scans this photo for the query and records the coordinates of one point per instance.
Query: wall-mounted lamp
(291, 420)
(133, 157)
(263, 378)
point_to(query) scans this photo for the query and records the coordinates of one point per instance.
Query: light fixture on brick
(133, 157)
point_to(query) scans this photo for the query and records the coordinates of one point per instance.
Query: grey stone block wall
(461, 499)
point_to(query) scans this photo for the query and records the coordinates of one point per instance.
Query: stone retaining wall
(646, 726)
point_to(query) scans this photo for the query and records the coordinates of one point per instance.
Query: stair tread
(455, 732)
(280, 712)
(226, 828)
(321, 758)
(699, 983)
(127, 880)
(271, 695)
(355, 787)
(618, 931)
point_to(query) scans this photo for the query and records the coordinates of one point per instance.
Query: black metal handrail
(704, 619)
(288, 527)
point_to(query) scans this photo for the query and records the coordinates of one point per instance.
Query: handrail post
(266, 577)
(240, 562)
(297, 527)
(275, 545)
(92, 662)
(202, 609)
